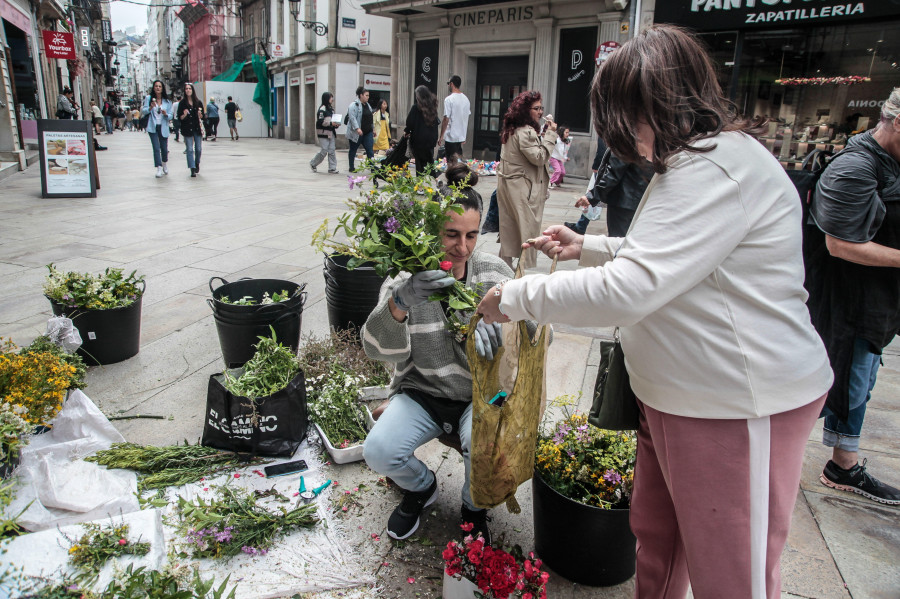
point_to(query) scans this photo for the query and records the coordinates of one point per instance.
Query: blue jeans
(160, 145)
(404, 426)
(844, 434)
(367, 141)
(109, 124)
(192, 143)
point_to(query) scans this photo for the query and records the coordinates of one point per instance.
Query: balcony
(244, 50)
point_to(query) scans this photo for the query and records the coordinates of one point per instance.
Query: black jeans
(424, 158)
(213, 126)
(617, 221)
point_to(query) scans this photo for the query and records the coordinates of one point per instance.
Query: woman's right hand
(558, 240)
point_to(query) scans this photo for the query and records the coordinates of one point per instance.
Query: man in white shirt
(456, 120)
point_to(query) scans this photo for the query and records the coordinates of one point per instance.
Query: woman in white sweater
(707, 287)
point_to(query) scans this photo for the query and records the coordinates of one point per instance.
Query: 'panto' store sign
(709, 15)
(492, 16)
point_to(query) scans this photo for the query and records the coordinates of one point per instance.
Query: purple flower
(391, 225)
(252, 550)
(611, 476)
(355, 180)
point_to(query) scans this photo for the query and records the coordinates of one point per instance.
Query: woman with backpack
(325, 129)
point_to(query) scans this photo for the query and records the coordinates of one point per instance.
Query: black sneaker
(857, 480)
(312, 167)
(405, 519)
(479, 520)
(574, 227)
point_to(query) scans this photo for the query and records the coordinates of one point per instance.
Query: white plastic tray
(350, 454)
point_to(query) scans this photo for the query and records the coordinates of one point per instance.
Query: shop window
(818, 85)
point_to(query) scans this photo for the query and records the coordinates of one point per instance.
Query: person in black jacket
(620, 187)
(190, 112)
(422, 127)
(325, 129)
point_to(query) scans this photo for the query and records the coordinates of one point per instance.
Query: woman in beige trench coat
(524, 175)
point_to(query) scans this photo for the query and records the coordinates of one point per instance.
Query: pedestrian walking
(381, 122)
(422, 128)
(212, 115)
(729, 380)
(97, 118)
(853, 278)
(109, 112)
(325, 132)
(158, 108)
(360, 126)
(231, 110)
(457, 109)
(559, 156)
(190, 112)
(524, 175)
(136, 119)
(65, 104)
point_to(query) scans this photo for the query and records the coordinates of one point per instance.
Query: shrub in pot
(106, 310)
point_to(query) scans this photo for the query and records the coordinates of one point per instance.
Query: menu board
(67, 159)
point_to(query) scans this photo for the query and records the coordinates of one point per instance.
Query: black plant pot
(351, 295)
(254, 288)
(237, 338)
(7, 467)
(582, 543)
(108, 336)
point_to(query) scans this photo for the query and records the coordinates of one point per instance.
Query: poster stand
(68, 161)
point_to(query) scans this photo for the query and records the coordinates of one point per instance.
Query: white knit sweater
(707, 287)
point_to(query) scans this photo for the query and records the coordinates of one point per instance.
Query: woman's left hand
(489, 308)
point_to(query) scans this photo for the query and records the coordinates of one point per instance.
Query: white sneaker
(165, 168)
(159, 172)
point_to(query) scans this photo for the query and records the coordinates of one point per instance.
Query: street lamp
(318, 28)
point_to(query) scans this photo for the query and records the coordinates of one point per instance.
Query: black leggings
(213, 126)
(424, 157)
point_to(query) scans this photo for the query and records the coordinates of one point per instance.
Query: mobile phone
(285, 469)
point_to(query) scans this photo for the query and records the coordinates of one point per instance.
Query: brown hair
(664, 77)
(427, 103)
(519, 114)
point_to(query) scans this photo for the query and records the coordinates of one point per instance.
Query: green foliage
(333, 402)
(170, 465)
(135, 583)
(319, 353)
(9, 526)
(398, 227)
(112, 289)
(249, 300)
(90, 552)
(43, 344)
(233, 522)
(271, 369)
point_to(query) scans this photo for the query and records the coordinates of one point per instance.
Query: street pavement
(251, 213)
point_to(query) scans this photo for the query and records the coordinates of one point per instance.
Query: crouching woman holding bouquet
(432, 384)
(707, 287)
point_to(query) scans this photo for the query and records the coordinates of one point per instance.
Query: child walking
(559, 156)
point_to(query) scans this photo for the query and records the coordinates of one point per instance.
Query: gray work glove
(419, 287)
(488, 339)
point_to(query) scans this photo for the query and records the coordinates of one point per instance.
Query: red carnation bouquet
(498, 574)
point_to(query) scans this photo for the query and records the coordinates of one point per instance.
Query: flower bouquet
(494, 573)
(33, 384)
(398, 227)
(587, 464)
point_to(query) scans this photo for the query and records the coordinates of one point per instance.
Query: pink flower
(237, 474)
(467, 526)
(351, 180)
(446, 265)
(410, 580)
(206, 488)
(344, 509)
(123, 542)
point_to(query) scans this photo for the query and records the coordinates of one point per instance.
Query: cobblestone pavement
(251, 212)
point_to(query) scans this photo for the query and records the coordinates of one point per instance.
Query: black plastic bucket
(254, 288)
(108, 336)
(265, 315)
(238, 338)
(351, 295)
(597, 547)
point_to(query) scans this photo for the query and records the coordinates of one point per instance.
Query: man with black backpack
(853, 277)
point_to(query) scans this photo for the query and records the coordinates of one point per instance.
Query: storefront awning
(231, 73)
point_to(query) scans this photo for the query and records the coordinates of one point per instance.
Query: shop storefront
(500, 50)
(821, 69)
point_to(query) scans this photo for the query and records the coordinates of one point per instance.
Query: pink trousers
(713, 500)
(559, 170)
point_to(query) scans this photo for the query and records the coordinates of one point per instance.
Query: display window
(818, 85)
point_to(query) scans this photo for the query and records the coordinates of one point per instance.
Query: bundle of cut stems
(170, 465)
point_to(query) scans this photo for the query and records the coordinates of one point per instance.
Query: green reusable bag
(615, 405)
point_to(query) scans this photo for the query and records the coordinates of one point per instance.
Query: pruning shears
(307, 496)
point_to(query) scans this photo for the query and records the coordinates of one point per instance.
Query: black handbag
(597, 194)
(615, 405)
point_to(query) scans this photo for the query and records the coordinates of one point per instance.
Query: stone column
(443, 71)
(403, 77)
(542, 67)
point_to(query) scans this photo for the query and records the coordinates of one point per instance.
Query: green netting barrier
(261, 95)
(232, 73)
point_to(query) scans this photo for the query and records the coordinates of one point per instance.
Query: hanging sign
(604, 50)
(106, 26)
(426, 63)
(276, 51)
(67, 159)
(574, 74)
(84, 35)
(59, 44)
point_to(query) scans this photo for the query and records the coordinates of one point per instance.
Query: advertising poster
(66, 159)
